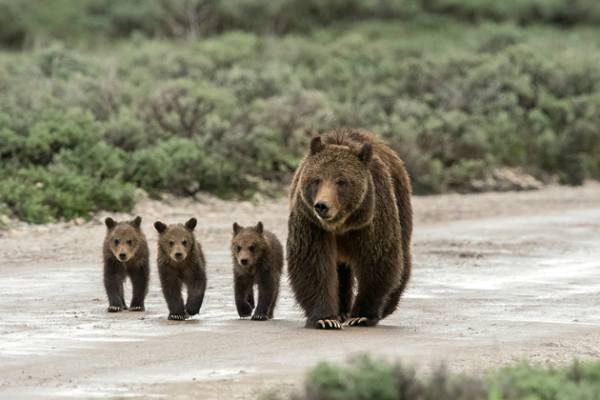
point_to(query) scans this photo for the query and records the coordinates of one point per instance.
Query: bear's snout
(122, 256)
(322, 209)
(244, 261)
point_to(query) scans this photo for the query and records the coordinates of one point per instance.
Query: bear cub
(181, 262)
(125, 253)
(257, 259)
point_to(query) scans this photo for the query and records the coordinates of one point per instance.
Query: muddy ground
(498, 277)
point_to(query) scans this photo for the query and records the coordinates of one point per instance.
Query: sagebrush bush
(366, 378)
(232, 114)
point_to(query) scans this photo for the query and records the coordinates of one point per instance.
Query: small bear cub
(181, 261)
(125, 253)
(257, 259)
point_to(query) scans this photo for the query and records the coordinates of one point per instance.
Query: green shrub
(366, 378)
(233, 114)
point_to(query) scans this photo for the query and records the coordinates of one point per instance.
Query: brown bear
(350, 219)
(257, 259)
(125, 253)
(181, 262)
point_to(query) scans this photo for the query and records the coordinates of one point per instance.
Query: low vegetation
(152, 101)
(366, 378)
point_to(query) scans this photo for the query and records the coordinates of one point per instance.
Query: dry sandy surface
(498, 277)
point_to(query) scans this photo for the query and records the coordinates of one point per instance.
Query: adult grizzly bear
(350, 217)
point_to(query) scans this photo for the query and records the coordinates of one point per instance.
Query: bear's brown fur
(257, 259)
(350, 219)
(125, 253)
(181, 262)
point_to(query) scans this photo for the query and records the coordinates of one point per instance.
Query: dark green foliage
(232, 113)
(365, 379)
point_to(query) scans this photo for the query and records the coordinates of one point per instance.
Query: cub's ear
(259, 227)
(365, 153)
(236, 228)
(191, 224)
(137, 221)
(160, 226)
(110, 223)
(316, 145)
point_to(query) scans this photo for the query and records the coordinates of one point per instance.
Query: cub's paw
(244, 310)
(361, 321)
(115, 308)
(192, 311)
(259, 317)
(328, 324)
(137, 308)
(178, 317)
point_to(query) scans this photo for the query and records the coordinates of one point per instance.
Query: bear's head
(248, 245)
(176, 240)
(335, 181)
(124, 238)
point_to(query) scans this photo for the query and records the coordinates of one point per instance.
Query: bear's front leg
(114, 275)
(375, 282)
(242, 289)
(139, 280)
(266, 294)
(171, 288)
(312, 272)
(346, 294)
(196, 288)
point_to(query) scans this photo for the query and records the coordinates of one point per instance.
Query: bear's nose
(321, 208)
(122, 256)
(178, 255)
(244, 261)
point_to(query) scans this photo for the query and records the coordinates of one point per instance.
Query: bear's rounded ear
(316, 145)
(191, 224)
(137, 221)
(110, 223)
(259, 227)
(160, 226)
(365, 153)
(236, 228)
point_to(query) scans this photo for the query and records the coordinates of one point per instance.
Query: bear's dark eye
(171, 243)
(238, 248)
(184, 242)
(251, 248)
(117, 241)
(316, 181)
(341, 182)
(129, 242)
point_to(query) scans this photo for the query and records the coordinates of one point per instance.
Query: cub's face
(335, 181)
(123, 238)
(247, 245)
(176, 240)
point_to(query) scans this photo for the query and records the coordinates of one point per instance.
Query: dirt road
(497, 278)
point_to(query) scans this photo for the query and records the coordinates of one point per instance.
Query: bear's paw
(361, 321)
(178, 317)
(259, 317)
(328, 324)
